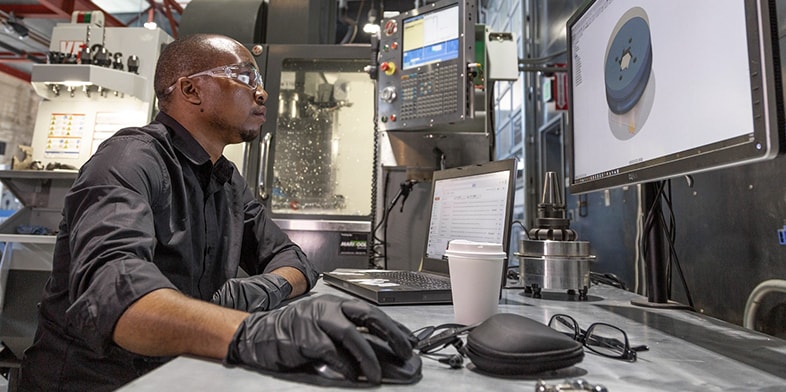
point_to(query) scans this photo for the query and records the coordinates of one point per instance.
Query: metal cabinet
(26, 260)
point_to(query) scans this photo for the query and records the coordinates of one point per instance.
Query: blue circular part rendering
(628, 65)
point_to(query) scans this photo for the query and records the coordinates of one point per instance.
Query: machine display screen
(431, 37)
(657, 93)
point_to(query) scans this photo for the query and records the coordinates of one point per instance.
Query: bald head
(187, 56)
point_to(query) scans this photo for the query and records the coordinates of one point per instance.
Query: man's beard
(249, 135)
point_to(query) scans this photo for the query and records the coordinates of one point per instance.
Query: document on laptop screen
(471, 208)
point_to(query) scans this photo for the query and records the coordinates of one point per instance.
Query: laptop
(470, 202)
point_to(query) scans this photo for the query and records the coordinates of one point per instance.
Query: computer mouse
(394, 370)
(323, 370)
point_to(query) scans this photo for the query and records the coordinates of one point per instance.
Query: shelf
(45, 75)
(39, 188)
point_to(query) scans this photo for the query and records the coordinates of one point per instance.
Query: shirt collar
(184, 142)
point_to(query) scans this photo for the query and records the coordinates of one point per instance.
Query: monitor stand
(656, 259)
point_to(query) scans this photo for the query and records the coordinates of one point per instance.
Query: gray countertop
(687, 352)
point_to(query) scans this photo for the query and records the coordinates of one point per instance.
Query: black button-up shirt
(148, 211)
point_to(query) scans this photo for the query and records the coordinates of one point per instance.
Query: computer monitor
(663, 88)
(423, 80)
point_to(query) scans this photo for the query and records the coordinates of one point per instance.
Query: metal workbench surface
(687, 352)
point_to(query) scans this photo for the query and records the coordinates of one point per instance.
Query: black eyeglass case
(509, 344)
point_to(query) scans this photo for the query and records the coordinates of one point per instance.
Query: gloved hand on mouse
(253, 294)
(322, 328)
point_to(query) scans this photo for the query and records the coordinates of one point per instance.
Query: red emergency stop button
(388, 67)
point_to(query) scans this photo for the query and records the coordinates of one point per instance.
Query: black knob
(118, 61)
(101, 56)
(133, 64)
(84, 55)
(69, 59)
(56, 57)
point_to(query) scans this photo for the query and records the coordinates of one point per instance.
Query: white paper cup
(475, 279)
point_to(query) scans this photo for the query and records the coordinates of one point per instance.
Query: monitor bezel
(767, 104)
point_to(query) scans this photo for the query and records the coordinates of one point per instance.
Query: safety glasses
(243, 73)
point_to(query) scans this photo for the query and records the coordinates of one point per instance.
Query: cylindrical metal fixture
(563, 265)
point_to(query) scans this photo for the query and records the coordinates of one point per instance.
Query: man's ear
(190, 91)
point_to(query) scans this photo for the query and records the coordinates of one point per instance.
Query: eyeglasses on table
(601, 338)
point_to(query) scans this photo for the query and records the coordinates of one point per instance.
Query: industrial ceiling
(27, 25)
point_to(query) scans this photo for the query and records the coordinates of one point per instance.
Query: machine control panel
(423, 80)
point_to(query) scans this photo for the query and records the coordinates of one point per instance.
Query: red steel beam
(172, 22)
(59, 9)
(37, 11)
(175, 5)
(24, 76)
(8, 57)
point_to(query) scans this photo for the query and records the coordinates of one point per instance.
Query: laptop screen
(472, 203)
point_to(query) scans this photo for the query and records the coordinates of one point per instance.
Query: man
(156, 225)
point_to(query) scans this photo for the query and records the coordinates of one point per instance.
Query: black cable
(669, 240)
(518, 222)
(513, 270)
(385, 231)
(647, 226)
(492, 132)
(402, 194)
(384, 219)
(674, 258)
(384, 198)
(608, 279)
(670, 232)
(406, 189)
(374, 176)
(376, 241)
(649, 219)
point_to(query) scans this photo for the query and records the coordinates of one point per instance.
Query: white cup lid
(466, 248)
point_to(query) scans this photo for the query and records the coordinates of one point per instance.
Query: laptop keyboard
(408, 278)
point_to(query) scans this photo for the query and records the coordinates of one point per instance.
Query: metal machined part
(550, 257)
(576, 385)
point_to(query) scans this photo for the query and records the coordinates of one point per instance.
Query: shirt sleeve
(266, 247)
(110, 229)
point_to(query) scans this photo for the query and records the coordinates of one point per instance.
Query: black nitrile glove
(318, 329)
(253, 294)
